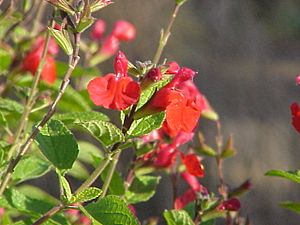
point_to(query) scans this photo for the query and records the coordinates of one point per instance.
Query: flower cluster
(122, 31)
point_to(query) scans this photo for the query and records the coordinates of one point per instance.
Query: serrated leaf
(29, 168)
(86, 195)
(146, 124)
(175, 217)
(105, 132)
(141, 189)
(13, 199)
(10, 106)
(111, 210)
(63, 40)
(82, 116)
(58, 144)
(149, 91)
(293, 206)
(290, 175)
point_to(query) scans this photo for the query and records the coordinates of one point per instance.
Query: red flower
(165, 156)
(295, 116)
(115, 91)
(184, 199)
(193, 165)
(191, 180)
(32, 59)
(173, 68)
(124, 31)
(98, 30)
(110, 46)
(232, 204)
(298, 79)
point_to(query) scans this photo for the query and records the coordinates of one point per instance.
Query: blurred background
(247, 53)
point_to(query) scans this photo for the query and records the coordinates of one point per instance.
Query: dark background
(247, 55)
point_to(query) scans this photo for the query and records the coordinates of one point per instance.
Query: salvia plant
(45, 101)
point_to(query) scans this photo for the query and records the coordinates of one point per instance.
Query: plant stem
(165, 35)
(38, 17)
(94, 175)
(73, 61)
(49, 214)
(31, 98)
(111, 171)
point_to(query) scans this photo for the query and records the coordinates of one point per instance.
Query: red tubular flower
(295, 109)
(124, 31)
(115, 91)
(110, 46)
(98, 30)
(32, 59)
(193, 165)
(191, 180)
(232, 204)
(165, 156)
(184, 199)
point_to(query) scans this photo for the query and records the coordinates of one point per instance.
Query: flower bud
(124, 31)
(121, 64)
(232, 204)
(298, 79)
(98, 30)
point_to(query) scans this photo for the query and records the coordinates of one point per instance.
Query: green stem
(110, 173)
(103, 164)
(73, 61)
(165, 35)
(49, 214)
(31, 99)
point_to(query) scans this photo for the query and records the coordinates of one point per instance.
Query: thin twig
(73, 61)
(49, 214)
(165, 35)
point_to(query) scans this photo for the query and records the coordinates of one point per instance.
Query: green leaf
(13, 199)
(85, 23)
(111, 210)
(29, 168)
(10, 106)
(293, 206)
(210, 215)
(116, 186)
(141, 189)
(176, 217)
(210, 115)
(149, 91)
(206, 150)
(180, 2)
(83, 116)
(146, 124)
(229, 152)
(105, 132)
(3, 121)
(290, 175)
(5, 60)
(63, 40)
(66, 187)
(58, 144)
(86, 195)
